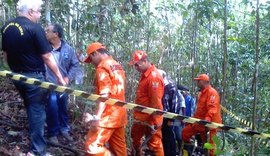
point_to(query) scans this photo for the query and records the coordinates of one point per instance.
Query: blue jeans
(57, 115)
(34, 100)
(178, 133)
(168, 138)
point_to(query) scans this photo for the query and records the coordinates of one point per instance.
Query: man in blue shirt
(69, 66)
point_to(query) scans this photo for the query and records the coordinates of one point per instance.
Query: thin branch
(10, 102)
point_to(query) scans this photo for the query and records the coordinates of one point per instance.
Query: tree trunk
(252, 149)
(193, 54)
(102, 17)
(148, 28)
(225, 56)
(47, 11)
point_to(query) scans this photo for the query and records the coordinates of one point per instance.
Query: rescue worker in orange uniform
(108, 124)
(208, 108)
(149, 93)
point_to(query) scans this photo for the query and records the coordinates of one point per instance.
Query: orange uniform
(110, 80)
(208, 108)
(149, 93)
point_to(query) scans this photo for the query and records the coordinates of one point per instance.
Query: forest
(227, 39)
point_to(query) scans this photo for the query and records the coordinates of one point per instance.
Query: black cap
(183, 88)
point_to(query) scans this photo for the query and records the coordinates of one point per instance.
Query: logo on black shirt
(16, 25)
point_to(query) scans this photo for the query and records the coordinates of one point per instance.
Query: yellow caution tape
(243, 121)
(133, 106)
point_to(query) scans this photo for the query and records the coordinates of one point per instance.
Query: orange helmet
(137, 56)
(203, 77)
(92, 48)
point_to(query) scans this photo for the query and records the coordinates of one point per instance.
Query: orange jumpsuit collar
(149, 70)
(105, 59)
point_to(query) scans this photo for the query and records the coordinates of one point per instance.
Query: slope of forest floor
(14, 140)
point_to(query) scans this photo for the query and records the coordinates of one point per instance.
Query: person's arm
(75, 69)
(165, 101)
(211, 105)
(174, 99)
(183, 104)
(101, 107)
(50, 62)
(155, 93)
(184, 111)
(193, 105)
(179, 102)
(104, 84)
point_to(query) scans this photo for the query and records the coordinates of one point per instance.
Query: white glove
(88, 117)
(91, 122)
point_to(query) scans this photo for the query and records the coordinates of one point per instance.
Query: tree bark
(193, 54)
(252, 149)
(47, 11)
(225, 56)
(148, 27)
(102, 17)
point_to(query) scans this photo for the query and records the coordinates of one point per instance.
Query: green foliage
(4, 66)
(218, 150)
(9, 2)
(208, 146)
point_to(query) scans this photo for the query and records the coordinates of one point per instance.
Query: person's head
(163, 74)
(54, 31)
(202, 81)
(140, 61)
(95, 53)
(30, 9)
(184, 90)
(167, 79)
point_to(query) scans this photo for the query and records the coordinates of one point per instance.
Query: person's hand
(66, 80)
(91, 122)
(62, 82)
(87, 117)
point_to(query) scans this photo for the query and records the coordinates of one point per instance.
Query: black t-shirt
(24, 42)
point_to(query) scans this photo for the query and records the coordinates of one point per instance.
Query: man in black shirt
(26, 49)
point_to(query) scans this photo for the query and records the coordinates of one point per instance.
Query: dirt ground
(14, 140)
